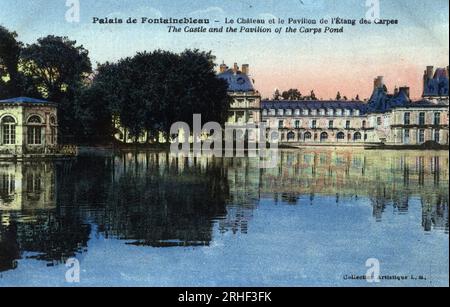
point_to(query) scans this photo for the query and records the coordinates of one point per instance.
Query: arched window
(34, 130)
(357, 136)
(34, 120)
(341, 136)
(323, 136)
(9, 130)
(307, 136)
(291, 136)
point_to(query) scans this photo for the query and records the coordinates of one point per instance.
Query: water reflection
(48, 210)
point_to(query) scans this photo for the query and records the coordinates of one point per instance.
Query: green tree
(10, 50)
(56, 64)
(153, 90)
(292, 94)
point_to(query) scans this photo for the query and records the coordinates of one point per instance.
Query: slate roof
(381, 101)
(237, 82)
(438, 85)
(23, 100)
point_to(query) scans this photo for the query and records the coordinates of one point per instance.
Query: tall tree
(56, 64)
(10, 50)
(154, 90)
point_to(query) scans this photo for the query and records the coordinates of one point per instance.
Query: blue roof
(438, 85)
(315, 104)
(237, 82)
(23, 100)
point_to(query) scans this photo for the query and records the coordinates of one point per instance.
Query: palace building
(245, 106)
(28, 127)
(385, 119)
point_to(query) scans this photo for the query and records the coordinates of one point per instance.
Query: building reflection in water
(155, 199)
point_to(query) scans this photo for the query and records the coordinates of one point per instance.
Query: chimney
(245, 69)
(406, 90)
(430, 70)
(235, 68)
(378, 82)
(223, 68)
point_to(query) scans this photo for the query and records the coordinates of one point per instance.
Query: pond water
(152, 219)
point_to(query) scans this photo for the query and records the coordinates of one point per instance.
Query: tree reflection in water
(48, 211)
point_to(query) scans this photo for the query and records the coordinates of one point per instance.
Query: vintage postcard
(224, 144)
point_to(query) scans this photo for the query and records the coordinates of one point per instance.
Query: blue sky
(327, 63)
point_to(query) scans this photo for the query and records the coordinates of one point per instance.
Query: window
(330, 124)
(437, 136)
(407, 118)
(297, 124)
(305, 112)
(357, 136)
(422, 118)
(347, 112)
(314, 124)
(52, 135)
(313, 112)
(406, 136)
(34, 131)
(280, 124)
(308, 136)
(322, 112)
(323, 136)
(9, 130)
(297, 112)
(291, 136)
(356, 113)
(288, 112)
(338, 112)
(347, 124)
(280, 112)
(7, 184)
(364, 124)
(437, 119)
(264, 112)
(379, 121)
(421, 136)
(341, 136)
(330, 112)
